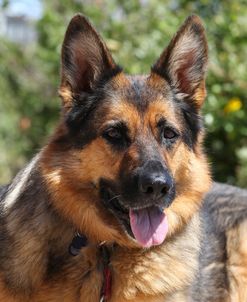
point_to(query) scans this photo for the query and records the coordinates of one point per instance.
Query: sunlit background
(31, 33)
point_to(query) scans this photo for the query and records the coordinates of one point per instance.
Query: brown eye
(114, 133)
(168, 133)
(117, 136)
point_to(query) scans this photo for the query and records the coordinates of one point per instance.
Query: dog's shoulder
(225, 206)
(223, 248)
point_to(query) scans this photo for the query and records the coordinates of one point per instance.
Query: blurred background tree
(136, 32)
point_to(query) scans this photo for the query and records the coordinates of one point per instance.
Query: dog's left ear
(85, 59)
(183, 63)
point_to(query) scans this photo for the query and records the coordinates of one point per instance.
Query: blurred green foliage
(136, 32)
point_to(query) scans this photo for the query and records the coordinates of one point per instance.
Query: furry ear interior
(183, 63)
(85, 59)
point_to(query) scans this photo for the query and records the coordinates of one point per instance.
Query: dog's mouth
(147, 225)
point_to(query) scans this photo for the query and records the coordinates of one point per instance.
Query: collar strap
(107, 275)
(79, 241)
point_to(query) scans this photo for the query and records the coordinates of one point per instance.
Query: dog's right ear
(85, 59)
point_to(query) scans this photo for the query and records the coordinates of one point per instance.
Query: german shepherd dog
(109, 210)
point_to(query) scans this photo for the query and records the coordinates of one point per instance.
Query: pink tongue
(149, 226)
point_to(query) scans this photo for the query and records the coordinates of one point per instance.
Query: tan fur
(157, 267)
(237, 262)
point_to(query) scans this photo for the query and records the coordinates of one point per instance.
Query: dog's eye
(117, 136)
(168, 133)
(113, 133)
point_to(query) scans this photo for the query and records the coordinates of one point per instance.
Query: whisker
(114, 197)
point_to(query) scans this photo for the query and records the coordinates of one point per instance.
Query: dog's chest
(151, 275)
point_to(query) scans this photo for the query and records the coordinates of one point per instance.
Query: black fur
(193, 123)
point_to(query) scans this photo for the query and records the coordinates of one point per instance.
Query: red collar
(107, 275)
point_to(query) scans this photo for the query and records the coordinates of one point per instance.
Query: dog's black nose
(154, 181)
(153, 185)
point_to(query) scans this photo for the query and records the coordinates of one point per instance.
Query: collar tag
(78, 242)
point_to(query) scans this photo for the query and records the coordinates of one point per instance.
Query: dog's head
(126, 163)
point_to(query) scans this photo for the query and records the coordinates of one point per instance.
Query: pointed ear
(85, 59)
(183, 63)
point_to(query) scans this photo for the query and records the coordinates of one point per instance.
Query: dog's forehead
(142, 94)
(143, 89)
